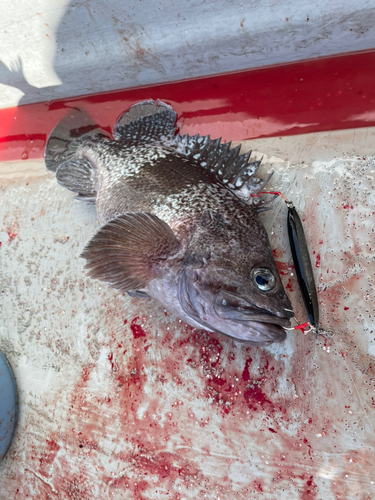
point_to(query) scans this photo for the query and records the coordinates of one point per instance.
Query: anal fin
(78, 175)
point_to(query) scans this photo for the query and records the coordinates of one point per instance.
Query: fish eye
(263, 278)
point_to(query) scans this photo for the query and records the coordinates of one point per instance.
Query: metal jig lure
(303, 267)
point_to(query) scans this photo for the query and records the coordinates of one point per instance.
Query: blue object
(8, 405)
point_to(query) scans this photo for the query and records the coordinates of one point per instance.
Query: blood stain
(284, 268)
(289, 285)
(137, 329)
(12, 231)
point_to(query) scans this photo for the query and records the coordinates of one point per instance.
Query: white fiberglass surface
(120, 400)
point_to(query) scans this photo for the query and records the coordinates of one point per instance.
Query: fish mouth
(269, 327)
(235, 317)
(230, 306)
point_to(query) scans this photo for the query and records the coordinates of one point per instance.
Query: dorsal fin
(222, 161)
(151, 122)
(146, 121)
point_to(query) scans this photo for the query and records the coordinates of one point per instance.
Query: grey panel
(108, 44)
(8, 405)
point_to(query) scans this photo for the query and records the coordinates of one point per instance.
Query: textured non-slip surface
(120, 400)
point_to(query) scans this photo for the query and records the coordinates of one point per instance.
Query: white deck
(109, 410)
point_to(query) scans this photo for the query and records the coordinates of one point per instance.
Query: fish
(175, 225)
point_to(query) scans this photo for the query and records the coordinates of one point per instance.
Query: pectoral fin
(130, 251)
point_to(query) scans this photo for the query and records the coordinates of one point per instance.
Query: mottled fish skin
(201, 270)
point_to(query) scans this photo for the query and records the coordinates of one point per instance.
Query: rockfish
(174, 227)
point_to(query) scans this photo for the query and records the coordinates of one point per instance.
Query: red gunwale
(316, 95)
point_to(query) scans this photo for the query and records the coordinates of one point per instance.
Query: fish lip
(252, 313)
(257, 318)
(265, 318)
(266, 340)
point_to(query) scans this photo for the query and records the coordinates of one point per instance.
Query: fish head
(230, 282)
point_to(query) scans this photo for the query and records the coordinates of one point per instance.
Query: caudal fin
(62, 142)
(63, 154)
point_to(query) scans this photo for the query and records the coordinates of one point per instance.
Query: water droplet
(25, 155)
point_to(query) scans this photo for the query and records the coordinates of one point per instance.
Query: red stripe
(324, 94)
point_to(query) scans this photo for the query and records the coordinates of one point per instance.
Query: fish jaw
(258, 334)
(230, 306)
(252, 326)
(248, 324)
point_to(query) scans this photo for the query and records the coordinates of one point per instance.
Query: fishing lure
(304, 270)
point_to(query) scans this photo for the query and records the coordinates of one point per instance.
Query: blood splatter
(289, 285)
(137, 329)
(284, 268)
(12, 231)
(258, 485)
(48, 457)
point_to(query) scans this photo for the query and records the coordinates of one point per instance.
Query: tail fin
(62, 142)
(62, 154)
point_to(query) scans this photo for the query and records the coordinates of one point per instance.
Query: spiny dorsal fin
(130, 250)
(151, 122)
(226, 164)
